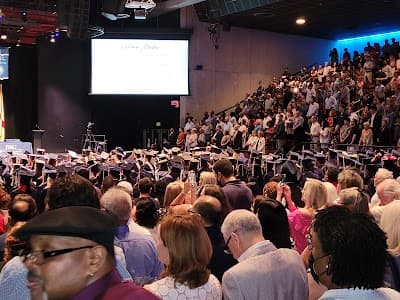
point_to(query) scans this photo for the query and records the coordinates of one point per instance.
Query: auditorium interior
(49, 83)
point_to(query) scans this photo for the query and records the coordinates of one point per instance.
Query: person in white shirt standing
(313, 108)
(282, 275)
(315, 130)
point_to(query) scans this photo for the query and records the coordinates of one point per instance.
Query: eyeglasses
(38, 257)
(226, 246)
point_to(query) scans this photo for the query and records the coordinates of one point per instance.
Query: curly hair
(356, 245)
(5, 199)
(13, 244)
(270, 189)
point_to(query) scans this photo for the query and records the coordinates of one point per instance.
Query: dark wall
(49, 85)
(20, 93)
(65, 107)
(123, 118)
(62, 91)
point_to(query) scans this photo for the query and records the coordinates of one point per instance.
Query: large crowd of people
(353, 102)
(219, 215)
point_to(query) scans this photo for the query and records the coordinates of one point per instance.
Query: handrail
(230, 107)
(391, 147)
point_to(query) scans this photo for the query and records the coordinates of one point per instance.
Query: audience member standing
(263, 271)
(236, 191)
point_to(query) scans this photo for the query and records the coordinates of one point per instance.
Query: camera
(283, 180)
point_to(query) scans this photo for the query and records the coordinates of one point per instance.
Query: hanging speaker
(73, 16)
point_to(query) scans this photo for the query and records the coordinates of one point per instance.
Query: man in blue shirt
(139, 249)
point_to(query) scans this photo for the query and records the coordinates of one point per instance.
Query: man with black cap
(72, 256)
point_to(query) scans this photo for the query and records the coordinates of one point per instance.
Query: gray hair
(118, 202)
(241, 221)
(390, 186)
(382, 174)
(127, 186)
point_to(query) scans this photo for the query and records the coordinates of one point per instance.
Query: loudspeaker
(73, 16)
(220, 8)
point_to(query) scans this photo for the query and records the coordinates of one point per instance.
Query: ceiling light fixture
(3, 36)
(24, 16)
(18, 43)
(52, 39)
(300, 21)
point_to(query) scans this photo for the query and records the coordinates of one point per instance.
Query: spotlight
(300, 21)
(52, 39)
(3, 36)
(24, 16)
(57, 33)
(18, 43)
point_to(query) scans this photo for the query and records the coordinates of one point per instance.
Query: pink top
(2, 225)
(299, 226)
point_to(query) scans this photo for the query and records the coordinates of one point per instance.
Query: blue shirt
(141, 255)
(13, 281)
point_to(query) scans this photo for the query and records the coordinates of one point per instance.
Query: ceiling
(325, 19)
(24, 21)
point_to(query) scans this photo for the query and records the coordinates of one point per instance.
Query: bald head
(22, 208)
(210, 210)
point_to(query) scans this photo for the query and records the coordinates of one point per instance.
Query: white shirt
(330, 102)
(268, 103)
(309, 94)
(375, 200)
(325, 136)
(372, 120)
(166, 289)
(136, 228)
(377, 211)
(315, 129)
(265, 122)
